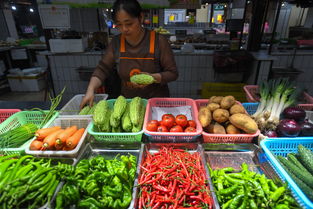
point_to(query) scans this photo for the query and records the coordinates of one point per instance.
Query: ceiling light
(31, 10)
(13, 7)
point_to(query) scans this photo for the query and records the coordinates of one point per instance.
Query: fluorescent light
(13, 7)
(31, 10)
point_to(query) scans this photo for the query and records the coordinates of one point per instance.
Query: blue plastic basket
(250, 107)
(281, 147)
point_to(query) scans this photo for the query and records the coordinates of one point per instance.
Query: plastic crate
(251, 108)
(169, 136)
(224, 138)
(71, 109)
(22, 118)
(120, 138)
(282, 147)
(5, 113)
(64, 123)
(252, 90)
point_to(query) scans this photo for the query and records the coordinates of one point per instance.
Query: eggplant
(306, 128)
(288, 128)
(295, 113)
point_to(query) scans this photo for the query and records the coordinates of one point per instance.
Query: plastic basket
(282, 147)
(224, 138)
(22, 118)
(252, 91)
(120, 138)
(71, 109)
(64, 123)
(171, 136)
(251, 108)
(5, 113)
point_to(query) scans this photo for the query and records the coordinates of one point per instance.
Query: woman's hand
(87, 99)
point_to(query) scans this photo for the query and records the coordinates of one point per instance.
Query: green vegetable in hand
(142, 79)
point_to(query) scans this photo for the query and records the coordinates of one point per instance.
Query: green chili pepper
(233, 181)
(89, 203)
(6, 157)
(272, 185)
(290, 199)
(5, 166)
(229, 190)
(236, 201)
(277, 194)
(264, 185)
(236, 175)
(282, 206)
(109, 167)
(226, 205)
(252, 204)
(107, 201)
(220, 183)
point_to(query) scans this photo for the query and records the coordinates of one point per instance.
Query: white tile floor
(23, 96)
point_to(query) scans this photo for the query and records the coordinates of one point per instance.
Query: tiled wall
(194, 69)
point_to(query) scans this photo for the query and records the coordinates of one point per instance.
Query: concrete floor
(23, 96)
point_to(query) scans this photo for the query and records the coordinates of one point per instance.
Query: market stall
(156, 153)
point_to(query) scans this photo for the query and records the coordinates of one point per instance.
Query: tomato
(177, 128)
(167, 116)
(190, 129)
(152, 126)
(162, 128)
(168, 121)
(154, 122)
(181, 120)
(192, 123)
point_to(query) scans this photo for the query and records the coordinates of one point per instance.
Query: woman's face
(128, 25)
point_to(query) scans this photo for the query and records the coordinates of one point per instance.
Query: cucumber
(305, 189)
(292, 158)
(306, 157)
(308, 179)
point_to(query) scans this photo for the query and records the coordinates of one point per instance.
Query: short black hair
(132, 7)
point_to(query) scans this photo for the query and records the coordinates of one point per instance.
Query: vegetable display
(173, 178)
(27, 182)
(55, 138)
(223, 115)
(17, 136)
(247, 189)
(124, 117)
(87, 110)
(276, 95)
(170, 123)
(300, 168)
(99, 183)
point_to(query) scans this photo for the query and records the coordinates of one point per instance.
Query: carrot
(74, 140)
(35, 145)
(44, 132)
(61, 138)
(49, 141)
(65, 148)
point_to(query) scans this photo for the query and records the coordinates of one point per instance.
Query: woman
(134, 50)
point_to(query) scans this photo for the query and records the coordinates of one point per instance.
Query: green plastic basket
(120, 138)
(22, 118)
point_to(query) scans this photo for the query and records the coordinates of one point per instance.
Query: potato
(231, 129)
(205, 116)
(215, 128)
(220, 115)
(227, 102)
(213, 106)
(216, 99)
(244, 122)
(237, 108)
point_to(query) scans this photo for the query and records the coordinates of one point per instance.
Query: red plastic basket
(252, 96)
(169, 136)
(224, 138)
(5, 113)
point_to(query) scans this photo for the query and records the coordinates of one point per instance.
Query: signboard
(54, 16)
(218, 7)
(104, 3)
